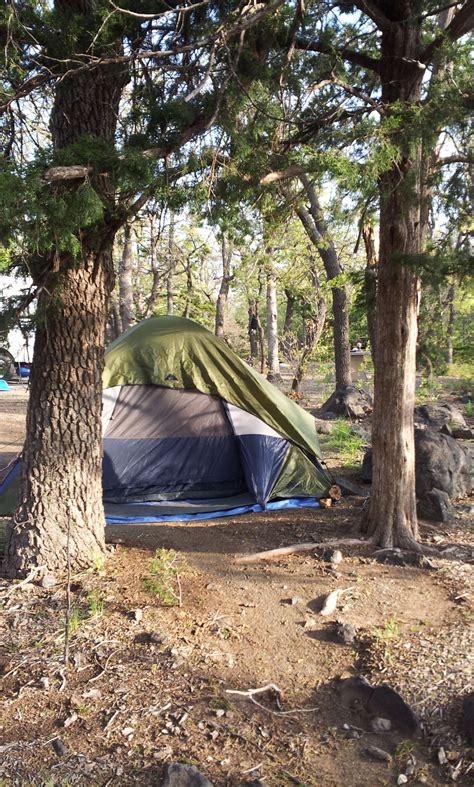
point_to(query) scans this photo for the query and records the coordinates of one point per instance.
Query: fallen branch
(254, 557)
(269, 687)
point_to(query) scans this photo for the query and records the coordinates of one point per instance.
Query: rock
(380, 725)
(179, 775)
(378, 754)
(367, 467)
(48, 582)
(463, 434)
(363, 434)
(345, 633)
(254, 783)
(70, 720)
(44, 682)
(399, 557)
(435, 416)
(349, 400)
(440, 463)
(442, 759)
(380, 702)
(58, 747)
(322, 427)
(467, 718)
(435, 506)
(402, 779)
(137, 615)
(335, 557)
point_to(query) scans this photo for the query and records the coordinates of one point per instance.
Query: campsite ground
(150, 683)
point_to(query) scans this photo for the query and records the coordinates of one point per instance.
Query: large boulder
(441, 463)
(349, 400)
(437, 416)
(443, 470)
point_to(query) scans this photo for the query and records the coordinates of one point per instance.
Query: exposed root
(254, 557)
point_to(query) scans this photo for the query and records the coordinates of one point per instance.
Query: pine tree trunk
(127, 309)
(272, 329)
(223, 295)
(253, 329)
(370, 283)
(450, 325)
(61, 484)
(392, 515)
(316, 227)
(313, 329)
(171, 268)
(61, 509)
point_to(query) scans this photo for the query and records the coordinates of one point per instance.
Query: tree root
(407, 544)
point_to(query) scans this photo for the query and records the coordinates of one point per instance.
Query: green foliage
(348, 445)
(162, 580)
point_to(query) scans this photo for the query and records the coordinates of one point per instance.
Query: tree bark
(171, 268)
(316, 227)
(223, 295)
(272, 329)
(450, 325)
(61, 511)
(391, 519)
(127, 307)
(370, 283)
(287, 339)
(253, 329)
(313, 329)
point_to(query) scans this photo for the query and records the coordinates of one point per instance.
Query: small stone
(378, 754)
(48, 582)
(220, 712)
(44, 682)
(157, 637)
(442, 759)
(127, 731)
(402, 779)
(58, 747)
(295, 600)
(180, 775)
(335, 557)
(70, 720)
(138, 615)
(380, 725)
(345, 633)
(92, 694)
(119, 770)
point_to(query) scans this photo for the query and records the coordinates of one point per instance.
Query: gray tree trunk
(126, 294)
(312, 219)
(171, 267)
(272, 328)
(221, 303)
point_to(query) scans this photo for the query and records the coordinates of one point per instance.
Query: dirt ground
(161, 640)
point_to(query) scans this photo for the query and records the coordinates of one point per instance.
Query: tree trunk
(392, 517)
(227, 277)
(61, 510)
(272, 329)
(287, 339)
(127, 308)
(450, 325)
(61, 485)
(370, 283)
(315, 225)
(253, 329)
(171, 268)
(313, 329)
(189, 289)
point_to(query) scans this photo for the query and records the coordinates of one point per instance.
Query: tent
(191, 431)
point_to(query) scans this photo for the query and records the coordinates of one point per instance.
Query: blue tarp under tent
(192, 432)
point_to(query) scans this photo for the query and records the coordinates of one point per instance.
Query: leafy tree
(118, 93)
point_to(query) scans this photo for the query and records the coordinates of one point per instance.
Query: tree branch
(357, 58)
(462, 23)
(371, 9)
